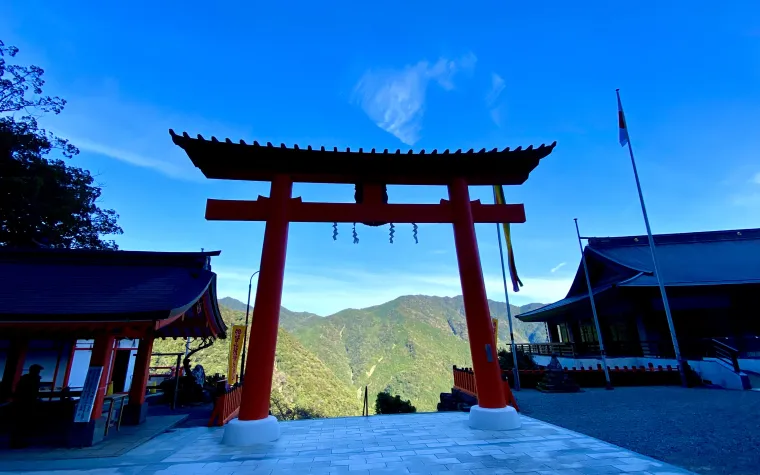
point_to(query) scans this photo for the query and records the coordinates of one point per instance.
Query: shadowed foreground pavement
(396, 444)
(708, 431)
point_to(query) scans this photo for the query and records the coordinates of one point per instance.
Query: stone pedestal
(87, 434)
(243, 433)
(134, 414)
(504, 418)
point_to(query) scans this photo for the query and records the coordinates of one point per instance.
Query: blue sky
(399, 75)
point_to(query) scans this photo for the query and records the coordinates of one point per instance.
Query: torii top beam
(254, 162)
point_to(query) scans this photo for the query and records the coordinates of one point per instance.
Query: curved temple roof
(709, 258)
(255, 162)
(174, 290)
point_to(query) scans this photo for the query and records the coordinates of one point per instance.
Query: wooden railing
(726, 353)
(587, 377)
(464, 380)
(226, 407)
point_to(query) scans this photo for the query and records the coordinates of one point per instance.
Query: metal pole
(593, 309)
(665, 303)
(245, 332)
(176, 383)
(515, 371)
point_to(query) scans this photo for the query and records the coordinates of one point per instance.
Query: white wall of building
(45, 353)
(708, 369)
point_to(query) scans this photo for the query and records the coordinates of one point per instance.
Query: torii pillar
(254, 423)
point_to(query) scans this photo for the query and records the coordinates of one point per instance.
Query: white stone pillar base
(504, 418)
(241, 433)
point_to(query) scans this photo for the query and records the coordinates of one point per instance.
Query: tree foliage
(507, 362)
(387, 404)
(42, 200)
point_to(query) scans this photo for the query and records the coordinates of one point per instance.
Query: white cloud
(558, 267)
(749, 200)
(173, 170)
(492, 98)
(497, 86)
(325, 293)
(138, 134)
(395, 99)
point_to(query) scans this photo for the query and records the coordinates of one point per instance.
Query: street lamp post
(245, 333)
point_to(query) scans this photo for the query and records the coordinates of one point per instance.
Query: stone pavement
(116, 443)
(410, 443)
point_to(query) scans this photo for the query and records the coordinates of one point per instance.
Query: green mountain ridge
(406, 346)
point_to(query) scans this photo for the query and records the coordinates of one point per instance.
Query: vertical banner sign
(495, 331)
(236, 346)
(89, 393)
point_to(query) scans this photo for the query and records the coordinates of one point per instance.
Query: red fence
(594, 377)
(464, 380)
(226, 407)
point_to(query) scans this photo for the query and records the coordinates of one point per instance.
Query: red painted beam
(304, 212)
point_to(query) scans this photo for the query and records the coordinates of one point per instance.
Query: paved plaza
(409, 443)
(708, 431)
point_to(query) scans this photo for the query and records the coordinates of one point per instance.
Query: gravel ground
(708, 431)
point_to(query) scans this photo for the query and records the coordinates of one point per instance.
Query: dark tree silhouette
(387, 404)
(202, 345)
(42, 200)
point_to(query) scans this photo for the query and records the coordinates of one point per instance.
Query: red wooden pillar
(136, 411)
(102, 351)
(14, 367)
(479, 326)
(259, 363)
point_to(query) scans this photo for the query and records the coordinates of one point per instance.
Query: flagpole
(593, 309)
(515, 371)
(676, 349)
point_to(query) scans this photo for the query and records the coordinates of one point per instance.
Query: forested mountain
(406, 347)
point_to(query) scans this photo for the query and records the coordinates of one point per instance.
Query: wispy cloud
(138, 134)
(492, 98)
(395, 99)
(558, 267)
(316, 291)
(748, 196)
(497, 86)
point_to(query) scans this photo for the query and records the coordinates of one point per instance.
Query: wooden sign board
(89, 392)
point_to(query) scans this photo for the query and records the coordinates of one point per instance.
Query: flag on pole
(498, 192)
(621, 122)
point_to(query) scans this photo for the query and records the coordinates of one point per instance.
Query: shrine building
(74, 310)
(712, 280)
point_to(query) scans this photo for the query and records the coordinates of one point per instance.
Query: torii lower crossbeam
(299, 211)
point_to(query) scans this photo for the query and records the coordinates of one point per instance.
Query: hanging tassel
(356, 236)
(393, 231)
(414, 233)
(335, 231)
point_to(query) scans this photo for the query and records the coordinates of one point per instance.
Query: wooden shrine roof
(255, 162)
(174, 292)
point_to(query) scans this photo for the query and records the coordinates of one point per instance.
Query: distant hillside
(288, 320)
(406, 346)
(301, 379)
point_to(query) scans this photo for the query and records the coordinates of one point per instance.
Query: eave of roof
(558, 309)
(254, 162)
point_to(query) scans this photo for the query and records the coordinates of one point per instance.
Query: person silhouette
(24, 402)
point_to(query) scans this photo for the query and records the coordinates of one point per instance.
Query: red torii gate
(370, 172)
